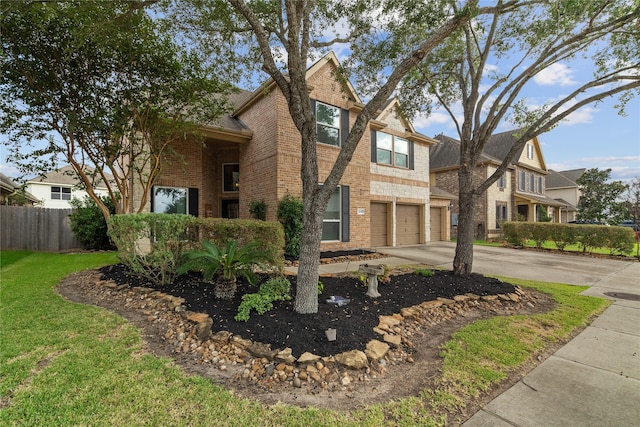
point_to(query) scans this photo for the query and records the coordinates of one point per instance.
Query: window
(328, 124)
(390, 150)
(170, 200)
(502, 182)
(501, 213)
(60, 193)
(230, 178)
(332, 216)
(540, 186)
(532, 183)
(521, 181)
(530, 151)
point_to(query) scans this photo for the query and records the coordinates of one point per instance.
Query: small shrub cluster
(152, 244)
(274, 289)
(619, 240)
(258, 210)
(290, 215)
(424, 272)
(88, 223)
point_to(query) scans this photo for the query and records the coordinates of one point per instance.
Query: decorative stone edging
(189, 333)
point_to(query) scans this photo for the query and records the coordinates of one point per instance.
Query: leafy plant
(275, 289)
(228, 263)
(290, 215)
(258, 210)
(385, 277)
(424, 272)
(89, 224)
(320, 287)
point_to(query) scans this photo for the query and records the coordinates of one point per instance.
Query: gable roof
(7, 185)
(447, 153)
(558, 180)
(66, 175)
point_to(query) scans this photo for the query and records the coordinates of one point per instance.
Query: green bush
(89, 224)
(269, 236)
(621, 240)
(152, 244)
(228, 262)
(593, 236)
(563, 235)
(424, 272)
(275, 289)
(516, 233)
(540, 232)
(258, 210)
(290, 215)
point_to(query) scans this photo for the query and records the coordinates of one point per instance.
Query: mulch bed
(282, 327)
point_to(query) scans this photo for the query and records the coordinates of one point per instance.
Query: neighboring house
(563, 187)
(518, 195)
(56, 188)
(11, 193)
(254, 154)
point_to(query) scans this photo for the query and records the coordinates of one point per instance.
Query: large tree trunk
(306, 301)
(463, 259)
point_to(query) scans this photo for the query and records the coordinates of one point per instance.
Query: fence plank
(36, 229)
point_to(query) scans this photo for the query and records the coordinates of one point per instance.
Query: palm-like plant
(227, 263)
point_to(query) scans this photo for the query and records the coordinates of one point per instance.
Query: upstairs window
(532, 183)
(502, 181)
(388, 149)
(60, 193)
(521, 181)
(230, 177)
(540, 186)
(530, 151)
(328, 124)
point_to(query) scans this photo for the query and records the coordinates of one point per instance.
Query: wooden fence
(36, 229)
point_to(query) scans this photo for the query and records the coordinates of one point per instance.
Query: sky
(595, 136)
(592, 137)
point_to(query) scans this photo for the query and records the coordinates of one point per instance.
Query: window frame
(540, 186)
(329, 125)
(502, 213)
(154, 200)
(501, 182)
(530, 151)
(235, 184)
(394, 153)
(64, 193)
(337, 191)
(522, 180)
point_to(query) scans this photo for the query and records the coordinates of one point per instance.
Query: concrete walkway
(594, 380)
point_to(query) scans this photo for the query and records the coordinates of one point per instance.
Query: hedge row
(619, 240)
(152, 244)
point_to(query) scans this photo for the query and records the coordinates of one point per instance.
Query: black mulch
(354, 322)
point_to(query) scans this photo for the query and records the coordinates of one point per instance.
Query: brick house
(518, 195)
(254, 154)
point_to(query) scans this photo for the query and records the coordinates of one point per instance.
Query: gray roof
(447, 152)
(9, 186)
(442, 194)
(66, 175)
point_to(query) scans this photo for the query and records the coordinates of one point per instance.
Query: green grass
(579, 248)
(68, 364)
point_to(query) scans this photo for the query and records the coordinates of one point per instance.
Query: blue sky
(593, 137)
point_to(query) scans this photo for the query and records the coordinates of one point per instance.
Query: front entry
(230, 208)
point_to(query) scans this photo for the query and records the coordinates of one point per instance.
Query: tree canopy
(95, 83)
(600, 198)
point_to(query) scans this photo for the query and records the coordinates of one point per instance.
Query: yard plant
(69, 364)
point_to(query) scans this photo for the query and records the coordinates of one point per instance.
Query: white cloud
(623, 168)
(10, 171)
(555, 74)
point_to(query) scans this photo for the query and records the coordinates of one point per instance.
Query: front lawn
(68, 364)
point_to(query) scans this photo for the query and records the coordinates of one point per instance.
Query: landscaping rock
(354, 359)
(392, 339)
(203, 329)
(376, 350)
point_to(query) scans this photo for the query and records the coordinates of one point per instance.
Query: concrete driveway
(594, 380)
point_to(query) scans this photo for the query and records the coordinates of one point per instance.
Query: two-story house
(563, 187)
(55, 189)
(254, 154)
(518, 195)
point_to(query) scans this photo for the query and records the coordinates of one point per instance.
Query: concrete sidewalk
(594, 380)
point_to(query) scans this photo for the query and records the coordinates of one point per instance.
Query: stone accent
(308, 358)
(354, 359)
(376, 350)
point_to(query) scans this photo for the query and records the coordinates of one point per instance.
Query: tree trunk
(306, 301)
(463, 259)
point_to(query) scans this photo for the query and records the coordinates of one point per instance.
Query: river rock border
(188, 334)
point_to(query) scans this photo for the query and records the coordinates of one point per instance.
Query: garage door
(436, 224)
(408, 224)
(379, 221)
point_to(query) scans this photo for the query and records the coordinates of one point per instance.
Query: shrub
(290, 215)
(563, 235)
(269, 236)
(540, 232)
(89, 224)
(516, 233)
(228, 262)
(152, 244)
(275, 289)
(593, 236)
(424, 272)
(621, 240)
(258, 210)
